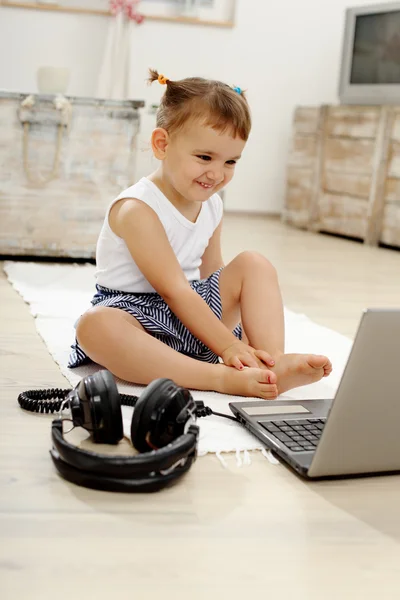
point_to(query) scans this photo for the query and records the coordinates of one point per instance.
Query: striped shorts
(156, 317)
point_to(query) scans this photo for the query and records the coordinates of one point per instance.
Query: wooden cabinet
(343, 173)
(62, 161)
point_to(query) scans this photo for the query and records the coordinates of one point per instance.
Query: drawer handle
(63, 106)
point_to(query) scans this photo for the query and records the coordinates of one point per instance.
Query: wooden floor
(219, 532)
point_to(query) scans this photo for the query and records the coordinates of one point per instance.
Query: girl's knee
(89, 323)
(254, 260)
(99, 322)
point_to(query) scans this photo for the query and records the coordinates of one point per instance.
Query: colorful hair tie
(237, 89)
(163, 80)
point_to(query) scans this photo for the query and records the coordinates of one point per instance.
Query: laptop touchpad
(275, 410)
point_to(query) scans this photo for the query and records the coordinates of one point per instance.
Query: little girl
(166, 305)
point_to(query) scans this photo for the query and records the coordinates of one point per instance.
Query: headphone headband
(114, 484)
(154, 461)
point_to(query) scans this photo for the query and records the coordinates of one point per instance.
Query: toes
(269, 392)
(266, 376)
(318, 361)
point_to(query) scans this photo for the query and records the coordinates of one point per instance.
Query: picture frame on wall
(218, 13)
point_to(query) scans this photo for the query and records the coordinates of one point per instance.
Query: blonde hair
(216, 103)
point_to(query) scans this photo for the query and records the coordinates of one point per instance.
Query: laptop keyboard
(297, 436)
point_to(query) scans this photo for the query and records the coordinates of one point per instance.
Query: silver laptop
(356, 433)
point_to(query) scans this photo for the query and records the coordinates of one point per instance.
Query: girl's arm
(212, 258)
(143, 233)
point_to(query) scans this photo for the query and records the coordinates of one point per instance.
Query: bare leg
(250, 292)
(115, 340)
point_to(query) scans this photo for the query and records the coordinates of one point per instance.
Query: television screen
(376, 51)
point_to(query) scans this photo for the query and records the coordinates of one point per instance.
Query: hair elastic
(163, 80)
(237, 89)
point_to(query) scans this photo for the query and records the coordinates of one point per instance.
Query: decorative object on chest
(62, 161)
(343, 172)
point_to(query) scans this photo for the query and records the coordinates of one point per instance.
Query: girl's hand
(241, 355)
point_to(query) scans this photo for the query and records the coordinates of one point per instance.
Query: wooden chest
(62, 160)
(343, 173)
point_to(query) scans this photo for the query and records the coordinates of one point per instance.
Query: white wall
(284, 53)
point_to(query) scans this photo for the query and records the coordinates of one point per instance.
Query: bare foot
(255, 383)
(295, 370)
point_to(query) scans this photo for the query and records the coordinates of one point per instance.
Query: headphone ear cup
(103, 395)
(141, 425)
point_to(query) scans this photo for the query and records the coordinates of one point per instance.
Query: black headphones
(163, 430)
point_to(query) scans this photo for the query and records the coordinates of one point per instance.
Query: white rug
(58, 294)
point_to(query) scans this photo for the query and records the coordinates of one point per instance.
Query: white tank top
(115, 267)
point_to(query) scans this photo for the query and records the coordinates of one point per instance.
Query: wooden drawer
(390, 232)
(60, 221)
(348, 156)
(394, 160)
(342, 215)
(353, 122)
(395, 135)
(306, 120)
(347, 184)
(303, 151)
(392, 190)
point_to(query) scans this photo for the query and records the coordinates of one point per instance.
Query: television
(370, 69)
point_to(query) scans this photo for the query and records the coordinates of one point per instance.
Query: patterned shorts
(156, 317)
